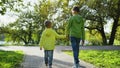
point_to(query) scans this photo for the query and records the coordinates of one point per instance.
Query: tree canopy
(9, 5)
(96, 13)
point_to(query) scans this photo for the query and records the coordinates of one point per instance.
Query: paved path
(34, 57)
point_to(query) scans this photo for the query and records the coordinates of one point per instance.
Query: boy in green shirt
(75, 30)
(47, 42)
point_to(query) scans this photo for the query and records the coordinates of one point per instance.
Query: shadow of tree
(63, 64)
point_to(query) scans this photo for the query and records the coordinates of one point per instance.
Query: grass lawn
(10, 59)
(100, 58)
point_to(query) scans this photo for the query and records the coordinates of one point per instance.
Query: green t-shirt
(75, 27)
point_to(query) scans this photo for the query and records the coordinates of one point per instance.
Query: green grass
(10, 59)
(116, 42)
(101, 59)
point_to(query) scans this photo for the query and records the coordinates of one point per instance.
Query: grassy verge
(10, 59)
(101, 59)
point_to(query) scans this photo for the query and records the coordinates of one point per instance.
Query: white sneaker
(79, 65)
(49, 66)
(76, 66)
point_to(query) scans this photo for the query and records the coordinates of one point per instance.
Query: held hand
(40, 48)
(82, 42)
(67, 37)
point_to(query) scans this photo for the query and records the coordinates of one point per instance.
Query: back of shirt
(48, 39)
(75, 27)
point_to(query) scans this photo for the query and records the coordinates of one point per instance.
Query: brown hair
(46, 23)
(76, 8)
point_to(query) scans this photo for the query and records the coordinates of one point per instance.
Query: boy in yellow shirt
(47, 42)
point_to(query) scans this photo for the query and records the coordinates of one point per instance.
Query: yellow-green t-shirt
(48, 39)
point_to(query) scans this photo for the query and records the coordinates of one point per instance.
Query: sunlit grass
(10, 59)
(101, 59)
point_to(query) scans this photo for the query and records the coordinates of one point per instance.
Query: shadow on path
(38, 62)
(63, 64)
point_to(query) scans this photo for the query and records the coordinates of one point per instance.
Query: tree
(97, 16)
(9, 4)
(114, 12)
(112, 9)
(25, 27)
(30, 24)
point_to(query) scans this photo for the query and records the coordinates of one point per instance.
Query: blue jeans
(48, 56)
(75, 47)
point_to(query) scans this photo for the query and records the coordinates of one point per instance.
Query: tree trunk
(103, 36)
(24, 40)
(113, 32)
(115, 24)
(102, 32)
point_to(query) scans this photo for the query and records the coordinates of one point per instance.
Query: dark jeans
(75, 47)
(48, 56)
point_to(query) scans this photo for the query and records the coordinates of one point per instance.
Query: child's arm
(83, 31)
(67, 28)
(59, 36)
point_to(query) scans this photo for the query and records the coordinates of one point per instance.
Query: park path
(34, 57)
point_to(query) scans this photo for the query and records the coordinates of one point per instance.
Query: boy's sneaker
(46, 64)
(76, 66)
(50, 67)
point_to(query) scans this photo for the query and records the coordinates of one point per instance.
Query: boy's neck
(76, 13)
(48, 27)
